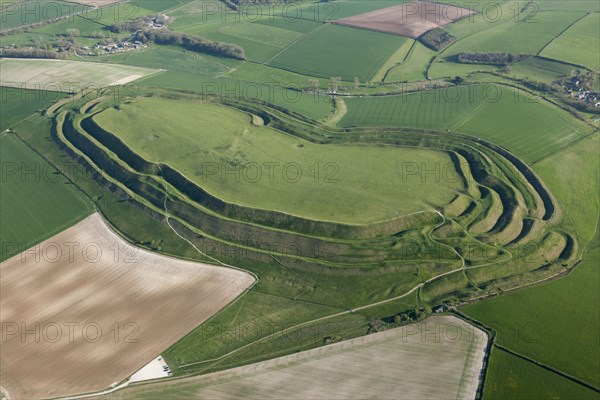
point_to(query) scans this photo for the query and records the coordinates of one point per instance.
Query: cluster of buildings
(112, 48)
(577, 90)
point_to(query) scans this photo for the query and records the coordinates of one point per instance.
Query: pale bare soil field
(99, 3)
(84, 310)
(66, 76)
(410, 19)
(439, 358)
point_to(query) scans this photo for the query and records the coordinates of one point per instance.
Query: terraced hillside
(499, 229)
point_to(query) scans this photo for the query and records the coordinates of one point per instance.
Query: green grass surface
(541, 70)
(179, 60)
(18, 104)
(510, 377)
(555, 323)
(260, 36)
(490, 112)
(413, 67)
(573, 176)
(327, 11)
(517, 35)
(314, 106)
(333, 50)
(36, 202)
(444, 69)
(352, 184)
(552, 324)
(18, 14)
(571, 5)
(579, 44)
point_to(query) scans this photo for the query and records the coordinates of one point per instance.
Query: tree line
(496, 58)
(190, 42)
(32, 53)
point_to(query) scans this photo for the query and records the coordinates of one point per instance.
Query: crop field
(527, 36)
(334, 50)
(37, 202)
(277, 193)
(18, 104)
(260, 40)
(329, 11)
(411, 19)
(412, 68)
(16, 14)
(66, 76)
(397, 359)
(550, 324)
(544, 70)
(574, 5)
(489, 112)
(510, 377)
(578, 45)
(307, 180)
(136, 303)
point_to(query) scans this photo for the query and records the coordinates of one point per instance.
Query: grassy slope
(510, 377)
(558, 323)
(543, 70)
(36, 202)
(413, 68)
(18, 104)
(579, 44)
(348, 185)
(552, 323)
(17, 15)
(37, 205)
(517, 36)
(491, 112)
(341, 9)
(333, 50)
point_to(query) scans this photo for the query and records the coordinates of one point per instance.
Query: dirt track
(407, 19)
(84, 310)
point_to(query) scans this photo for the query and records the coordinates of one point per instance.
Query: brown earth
(84, 310)
(407, 19)
(439, 358)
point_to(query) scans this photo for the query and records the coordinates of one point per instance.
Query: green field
(18, 14)
(490, 112)
(256, 134)
(520, 36)
(311, 105)
(573, 175)
(327, 11)
(261, 40)
(18, 104)
(579, 44)
(551, 323)
(334, 50)
(571, 5)
(543, 70)
(413, 67)
(36, 202)
(510, 377)
(351, 184)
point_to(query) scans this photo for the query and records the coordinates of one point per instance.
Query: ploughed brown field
(84, 310)
(439, 358)
(407, 19)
